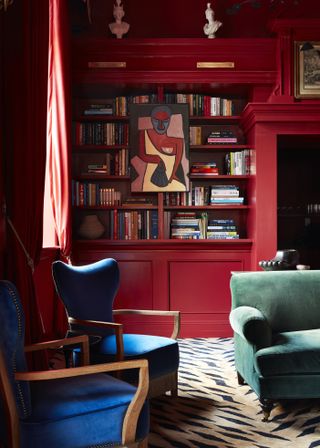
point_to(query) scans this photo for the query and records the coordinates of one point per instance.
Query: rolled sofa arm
(251, 324)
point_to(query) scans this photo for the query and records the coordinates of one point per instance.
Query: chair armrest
(133, 411)
(251, 324)
(58, 343)
(118, 329)
(175, 314)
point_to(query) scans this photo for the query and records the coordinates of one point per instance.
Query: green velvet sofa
(276, 321)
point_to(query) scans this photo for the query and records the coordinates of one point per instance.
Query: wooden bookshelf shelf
(102, 117)
(106, 177)
(119, 207)
(220, 177)
(206, 207)
(97, 148)
(214, 147)
(219, 119)
(166, 243)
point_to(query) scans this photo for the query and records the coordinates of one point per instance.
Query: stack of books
(186, 226)
(222, 137)
(225, 195)
(222, 229)
(96, 168)
(204, 169)
(99, 109)
(139, 200)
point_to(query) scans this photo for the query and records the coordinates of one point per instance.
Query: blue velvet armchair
(88, 293)
(78, 407)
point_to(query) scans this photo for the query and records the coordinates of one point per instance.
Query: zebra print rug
(212, 410)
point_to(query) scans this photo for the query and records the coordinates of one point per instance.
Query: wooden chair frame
(133, 411)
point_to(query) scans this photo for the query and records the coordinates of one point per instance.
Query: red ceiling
(186, 18)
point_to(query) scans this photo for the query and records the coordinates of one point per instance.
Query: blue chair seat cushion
(292, 352)
(162, 353)
(65, 411)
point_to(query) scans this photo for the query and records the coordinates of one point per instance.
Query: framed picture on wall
(159, 147)
(307, 69)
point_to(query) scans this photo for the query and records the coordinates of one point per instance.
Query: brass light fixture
(5, 3)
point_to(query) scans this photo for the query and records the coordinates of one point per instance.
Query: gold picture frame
(307, 70)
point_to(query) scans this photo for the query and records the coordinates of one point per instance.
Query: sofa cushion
(292, 352)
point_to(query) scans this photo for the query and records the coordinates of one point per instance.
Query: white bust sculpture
(118, 27)
(212, 26)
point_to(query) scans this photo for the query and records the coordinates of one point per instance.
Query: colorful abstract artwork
(159, 147)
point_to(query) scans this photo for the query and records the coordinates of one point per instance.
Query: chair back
(12, 356)
(88, 291)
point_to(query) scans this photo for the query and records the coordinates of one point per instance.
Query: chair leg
(267, 406)
(174, 392)
(240, 379)
(143, 443)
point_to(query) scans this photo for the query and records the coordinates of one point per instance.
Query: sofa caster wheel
(267, 406)
(265, 417)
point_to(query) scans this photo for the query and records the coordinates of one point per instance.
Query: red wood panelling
(201, 286)
(136, 289)
(190, 278)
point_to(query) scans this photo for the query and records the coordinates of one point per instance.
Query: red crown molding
(267, 113)
(175, 60)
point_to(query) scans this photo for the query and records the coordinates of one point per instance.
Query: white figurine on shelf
(118, 27)
(212, 26)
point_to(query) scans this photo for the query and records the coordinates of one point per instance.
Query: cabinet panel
(191, 279)
(135, 285)
(201, 286)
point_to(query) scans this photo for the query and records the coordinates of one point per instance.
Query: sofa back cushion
(290, 300)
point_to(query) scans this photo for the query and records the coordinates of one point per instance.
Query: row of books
(86, 194)
(219, 194)
(100, 133)
(240, 162)
(119, 106)
(116, 164)
(205, 105)
(195, 135)
(199, 104)
(133, 224)
(189, 225)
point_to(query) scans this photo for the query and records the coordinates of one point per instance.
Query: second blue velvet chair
(67, 408)
(88, 293)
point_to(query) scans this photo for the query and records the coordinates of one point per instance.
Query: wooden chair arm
(133, 411)
(83, 340)
(175, 314)
(118, 329)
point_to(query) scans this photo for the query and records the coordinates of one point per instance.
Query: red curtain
(25, 106)
(59, 136)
